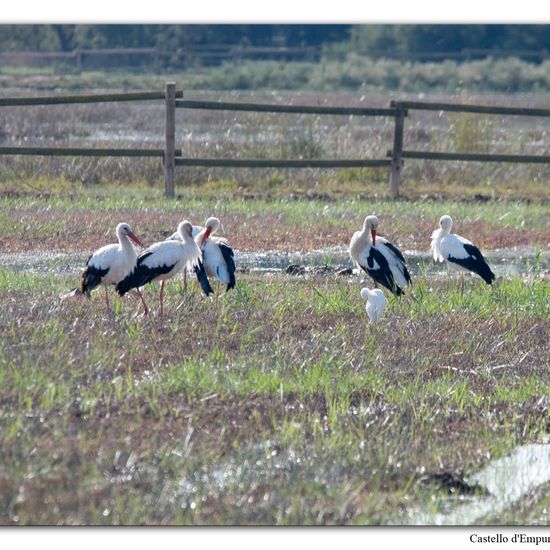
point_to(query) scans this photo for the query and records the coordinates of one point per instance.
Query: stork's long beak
(373, 236)
(206, 234)
(135, 239)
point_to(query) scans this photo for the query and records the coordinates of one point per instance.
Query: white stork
(217, 256)
(379, 258)
(458, 251)
(376, 302)
(161, 261)
(112, 263)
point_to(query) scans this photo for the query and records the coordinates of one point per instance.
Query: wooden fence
(173, 157)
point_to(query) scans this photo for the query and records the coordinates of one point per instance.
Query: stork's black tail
(486, 274)
(229, 257)
(91, 278)
(200, 272)
(476, 263)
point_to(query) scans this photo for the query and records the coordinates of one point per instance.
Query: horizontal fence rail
(172, 157)
(478, 157)
(274, 108)
(93, 98)
(482, 109)
(273, 163)
(83, 151)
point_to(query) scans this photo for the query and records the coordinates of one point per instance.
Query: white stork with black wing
(111, 263)
(163, 260)
(459, 252)
(379, 258)
(218, 258)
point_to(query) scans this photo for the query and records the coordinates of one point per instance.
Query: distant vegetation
(409, 58)
(401, 41)
(353, 72)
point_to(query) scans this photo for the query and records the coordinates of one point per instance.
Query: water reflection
(506, 480)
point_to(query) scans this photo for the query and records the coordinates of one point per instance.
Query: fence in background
(173, 157)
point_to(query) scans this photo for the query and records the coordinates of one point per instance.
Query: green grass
(275, 403)
(67, 221)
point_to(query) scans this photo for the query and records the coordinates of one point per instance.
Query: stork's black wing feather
(91, 277)
(200, 272)
(382, 275)
(398, 253)
(474, 262)
(141, 275)
(228, 256)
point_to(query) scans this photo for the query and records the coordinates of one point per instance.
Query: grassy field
(81, 219)
(275, 403)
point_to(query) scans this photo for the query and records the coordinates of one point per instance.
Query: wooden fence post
(170, 139)
(396, 157)
(78, 59)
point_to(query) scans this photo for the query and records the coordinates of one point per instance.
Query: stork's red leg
(145, 308)
(161, 298)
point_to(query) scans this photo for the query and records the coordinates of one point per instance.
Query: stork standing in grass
(161, 261)
(459, 252)
(379, 258)
(376, 302)
(218, 258)
(112, 263)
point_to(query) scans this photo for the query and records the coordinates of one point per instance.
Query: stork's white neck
(185, 237)
(124, 241)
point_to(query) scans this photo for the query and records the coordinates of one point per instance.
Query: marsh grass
(274, 403)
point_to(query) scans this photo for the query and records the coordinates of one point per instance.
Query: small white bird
(379, 258)
(458, 252)
(217, 256)
(376, 302)
(163, 260)
(112, 263)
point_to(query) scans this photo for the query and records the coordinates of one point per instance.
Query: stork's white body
(381, 260)
(217, 256)
(360, 250)
(458, 252)
(450, 246)
(117, 259)
(212, 257)
(163, 260)
(173, 254)
(111, 263)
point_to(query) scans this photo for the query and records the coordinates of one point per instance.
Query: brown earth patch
(47, 230)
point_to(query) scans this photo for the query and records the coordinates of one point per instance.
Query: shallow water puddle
(46, 263)
(506, 481)
(505, 262)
